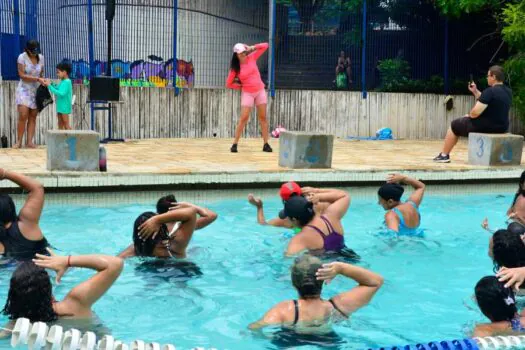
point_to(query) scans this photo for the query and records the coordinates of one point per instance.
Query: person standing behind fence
(31, 70)
(64, 94)
(244, 75)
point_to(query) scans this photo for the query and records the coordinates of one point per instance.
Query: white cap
(239, 48)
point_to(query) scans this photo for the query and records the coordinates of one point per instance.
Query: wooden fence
(204, 113)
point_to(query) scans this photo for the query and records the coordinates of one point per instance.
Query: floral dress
(26, 91)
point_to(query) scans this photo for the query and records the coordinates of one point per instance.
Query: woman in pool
(20, 235)
(507, 249)
(169, 202)
(244, 75)
(498, 304)
(287, 190)
(151, 236)
(403, 218)
(309, 312)
(318, 232)
(31, 294)
(517, 209)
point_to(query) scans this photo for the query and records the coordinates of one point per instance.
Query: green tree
(510, 18)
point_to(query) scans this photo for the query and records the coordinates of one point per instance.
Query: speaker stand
(110, 124)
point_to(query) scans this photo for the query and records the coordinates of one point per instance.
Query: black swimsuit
(296, 306)
(18, 247)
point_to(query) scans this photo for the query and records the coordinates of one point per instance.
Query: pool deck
(208, 163)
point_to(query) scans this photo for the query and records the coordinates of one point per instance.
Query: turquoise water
(243, 272)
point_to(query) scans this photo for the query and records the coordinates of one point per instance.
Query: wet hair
(30, 294)
(520, 191)
(508, 250)
(495, 301)
(65, 66)
(235, 64)
(304, 277)
(31, 45)
(516, 228)
(391, 191)
(498, 73)
(145, 247)
(7, 213)
(165, 203)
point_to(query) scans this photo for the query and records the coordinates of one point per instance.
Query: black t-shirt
(498, 99)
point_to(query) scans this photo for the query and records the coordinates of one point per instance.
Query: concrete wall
(158, 113)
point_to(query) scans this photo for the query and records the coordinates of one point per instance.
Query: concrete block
(305, 150)
(494, 149)
(73, 150)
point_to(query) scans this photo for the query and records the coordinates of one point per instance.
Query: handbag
(43, 98)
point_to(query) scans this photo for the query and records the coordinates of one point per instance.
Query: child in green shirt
(64, 94)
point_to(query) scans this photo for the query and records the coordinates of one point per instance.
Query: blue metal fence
(400, 45)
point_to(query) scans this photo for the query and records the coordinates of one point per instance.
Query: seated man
(490, 113)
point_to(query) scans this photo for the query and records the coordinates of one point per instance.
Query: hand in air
(307, 190)
(328, 272)
(149, 228)
(472, 87)
(513, 278)
(54, 262)
(485, 224)
(395, 178)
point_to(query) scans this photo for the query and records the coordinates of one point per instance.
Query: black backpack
(43, 98)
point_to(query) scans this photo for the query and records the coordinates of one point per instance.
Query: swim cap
(391, 191)
(288, 189)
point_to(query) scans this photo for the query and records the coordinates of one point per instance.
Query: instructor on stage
(244, 75)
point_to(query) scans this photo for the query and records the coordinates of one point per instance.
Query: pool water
(240, 271)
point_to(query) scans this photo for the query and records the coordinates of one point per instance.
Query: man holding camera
(490, 114)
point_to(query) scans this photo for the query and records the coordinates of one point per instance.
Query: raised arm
(29, 215)
(258, 49)
(206, 217)
(230, 84)
(418, 186)
(357, 297)
(79, 300)
(338, 200)
(261, 220)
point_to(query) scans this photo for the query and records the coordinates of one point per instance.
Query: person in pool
(498, 304)
(310, 311)
(151, 236)
(403, 218)
(31, 293)
(20, 234)
(287, 190)
(506, 249)
(317, 232)
(516, 211)
(169, 202)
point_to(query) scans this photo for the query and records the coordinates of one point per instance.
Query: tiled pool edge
(66, 180)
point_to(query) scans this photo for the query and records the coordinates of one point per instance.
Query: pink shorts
(249, 99)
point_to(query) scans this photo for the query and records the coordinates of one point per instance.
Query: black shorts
(464, 126)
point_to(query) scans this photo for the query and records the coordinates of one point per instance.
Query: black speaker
(110, 10)
(104, 89)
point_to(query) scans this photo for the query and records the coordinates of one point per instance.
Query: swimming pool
(240, 271)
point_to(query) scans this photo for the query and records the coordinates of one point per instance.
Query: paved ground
(190, 161)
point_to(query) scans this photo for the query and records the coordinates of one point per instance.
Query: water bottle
(102, 162)
(3, 139)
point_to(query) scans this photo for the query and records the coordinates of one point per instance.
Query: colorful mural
(153, 72)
